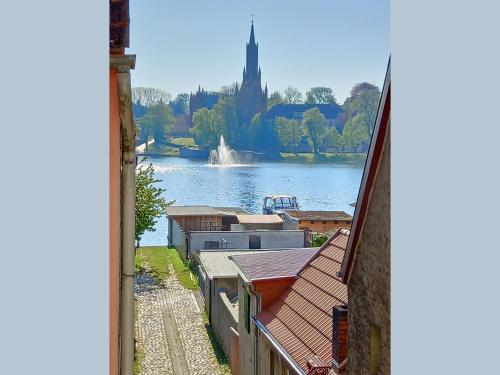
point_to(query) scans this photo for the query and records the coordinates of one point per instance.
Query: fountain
(223, 156)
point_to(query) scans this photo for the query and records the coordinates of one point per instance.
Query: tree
(356, 130)
(364, 98)
(149, 96)
(320, 95)
(334, 139)
(229, 89)
(260, 134)
(274, 98)
(314, 123)
(157, 122)
(227, 112)
(291, 95)
(207, 127)
(180, 105)
(149, 203)
(289, 132)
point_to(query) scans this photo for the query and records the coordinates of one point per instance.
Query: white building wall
(178, 239)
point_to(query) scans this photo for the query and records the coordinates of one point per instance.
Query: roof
(330, 111)
(320, 215)
(373, 159)
(273, 264)
(300, 320)
(259, 219)
(203, 211)
(217, 265)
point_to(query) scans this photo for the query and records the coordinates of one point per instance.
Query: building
(202, 99)
(250, 98)
(121, 193)
(218, 276)
(256, 222)
(261, 279)
(366, 267)
(181, 126)
(296, 111)
(318, 221)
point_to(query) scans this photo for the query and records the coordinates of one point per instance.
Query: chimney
(339, 337)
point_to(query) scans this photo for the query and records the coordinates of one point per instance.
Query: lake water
(194, 182)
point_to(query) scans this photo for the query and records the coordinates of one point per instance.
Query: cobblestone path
(156, 330)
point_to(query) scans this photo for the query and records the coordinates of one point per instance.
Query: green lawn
(186, 142)
(163, 149)
(309, 157)
(158, 258)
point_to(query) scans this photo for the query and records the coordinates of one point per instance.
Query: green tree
(149, 203)
(334, 139)
(226, 110)
(320, 95)
(356, 130)
(180, 105)
(292, 95)
(149, 96)
(261, 134)
(314, 123)
(207, 127)
(289, 132)
(157, 122)
(274, 98)
(364, 98)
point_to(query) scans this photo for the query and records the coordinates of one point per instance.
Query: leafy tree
(229, 89)
(289, 132)
(208, 126)
(320, 95)
(157, 122)
(274, 98)
(149, 96)
(291, 95)
(260, 134)
(180, 105)
(356, 130)
(334, 139)
(149, 203)
(364, 98)
(314, 123)
(227, 112)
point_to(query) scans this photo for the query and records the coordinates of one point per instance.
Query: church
(250, 98)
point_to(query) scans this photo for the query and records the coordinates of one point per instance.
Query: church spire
(252, 35)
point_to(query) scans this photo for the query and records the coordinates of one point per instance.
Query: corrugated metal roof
(301, 318)
(320, 215)
(259, 219)
(203, 211)
(280, 263)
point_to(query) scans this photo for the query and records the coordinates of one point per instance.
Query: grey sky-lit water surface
(192, 182)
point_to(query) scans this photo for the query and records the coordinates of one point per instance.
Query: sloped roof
(217, 264)
(259, 219)
(273, 264)
(320, 215)
(300, 320)
(377, 146)
(203, 211)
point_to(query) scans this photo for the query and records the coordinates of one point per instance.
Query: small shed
(256, 222)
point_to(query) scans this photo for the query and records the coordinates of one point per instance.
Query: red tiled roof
(273, 264)
(301, 318)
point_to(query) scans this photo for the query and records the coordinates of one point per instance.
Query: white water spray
(223, 155)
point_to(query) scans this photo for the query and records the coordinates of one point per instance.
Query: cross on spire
(252, 18)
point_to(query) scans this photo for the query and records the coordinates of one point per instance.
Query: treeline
(352, 128)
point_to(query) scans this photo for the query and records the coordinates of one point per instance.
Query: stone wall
(369, 286)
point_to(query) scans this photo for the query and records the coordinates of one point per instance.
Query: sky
(302, 43)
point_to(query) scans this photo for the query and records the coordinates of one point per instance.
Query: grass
(163, 150)
(309, 157)
(219, 353)
(157, 258)
(186, 142)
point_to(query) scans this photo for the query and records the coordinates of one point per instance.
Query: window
(254, 242)
(212, 245)
(374, 350)
(246, 310)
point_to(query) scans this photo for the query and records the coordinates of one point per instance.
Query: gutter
(123, 64)
(277, 346)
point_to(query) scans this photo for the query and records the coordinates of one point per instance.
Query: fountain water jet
(223, 155)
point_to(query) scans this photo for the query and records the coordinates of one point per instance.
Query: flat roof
(203, 211)
(273, 264)
(259, 219)
(320, 215)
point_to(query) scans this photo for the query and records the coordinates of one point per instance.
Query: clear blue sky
(335, 43)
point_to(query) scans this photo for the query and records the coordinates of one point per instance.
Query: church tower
(251, 99)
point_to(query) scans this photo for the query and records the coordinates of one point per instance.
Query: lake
(194, 182)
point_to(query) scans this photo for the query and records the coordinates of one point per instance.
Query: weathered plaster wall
(246, 340)
(179, 239)
(224, 316)
(369, 286)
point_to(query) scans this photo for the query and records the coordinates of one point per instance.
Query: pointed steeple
(252, 35)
